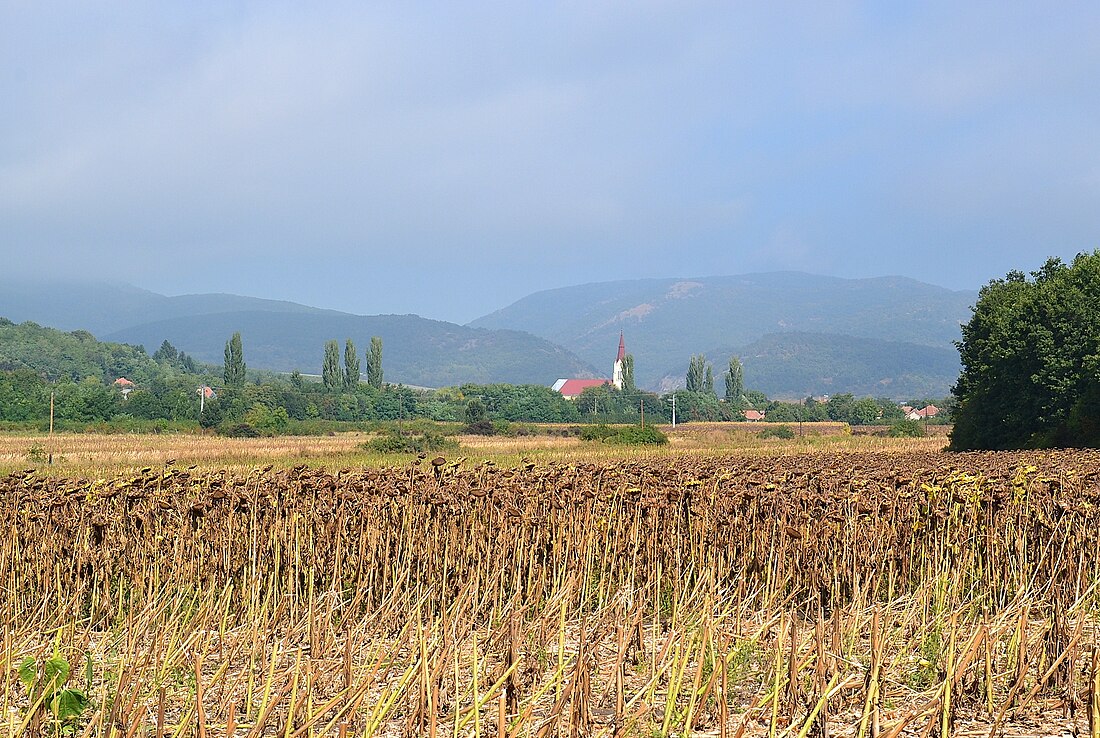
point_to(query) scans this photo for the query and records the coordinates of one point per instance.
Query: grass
(90, 454)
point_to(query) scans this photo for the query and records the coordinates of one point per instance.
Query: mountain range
(796, 333)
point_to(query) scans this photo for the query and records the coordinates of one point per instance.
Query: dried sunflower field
(821, 594)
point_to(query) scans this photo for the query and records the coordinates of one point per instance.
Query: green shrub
(482, 427)
(637, 435)
(599, 432)
(394, 441)
(629, 435)
(906, 429)
(239, 430)
(777, 431)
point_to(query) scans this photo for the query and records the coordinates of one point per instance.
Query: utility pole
(673, 409)
(51, 429)
(641, 407)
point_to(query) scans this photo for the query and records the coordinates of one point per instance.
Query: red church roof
(573, 387)
(622, 347)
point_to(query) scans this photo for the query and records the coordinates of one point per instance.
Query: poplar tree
(233, 369)
(735, 380)
(628, 373)
(374, 363)
(330, 368)
(697, 374)
(351, 366)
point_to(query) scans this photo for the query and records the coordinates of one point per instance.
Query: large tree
(1031, 360)
(351, 366)
(628, 373)
(735, 381)
(330, 367)
(697, 374)
(233, 370)
(374, 363)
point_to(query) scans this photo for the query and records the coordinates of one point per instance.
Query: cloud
(511, 147)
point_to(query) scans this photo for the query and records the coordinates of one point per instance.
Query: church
(571, 389)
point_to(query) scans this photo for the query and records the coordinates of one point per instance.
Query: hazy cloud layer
(446, 159)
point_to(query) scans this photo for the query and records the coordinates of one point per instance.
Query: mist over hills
(416, 351)
(667, 320)
(793, 365)
(796, 333)
(283, 336)
(105, 307)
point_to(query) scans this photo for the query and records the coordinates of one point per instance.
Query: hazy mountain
(283, 336)
(796, 364)
(796, 332)
(416, 350)
(101, 307)
(667, 320)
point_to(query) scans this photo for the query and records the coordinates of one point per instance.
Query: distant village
(571, 389)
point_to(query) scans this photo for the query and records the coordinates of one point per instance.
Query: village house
(929, 411)
(571, 389)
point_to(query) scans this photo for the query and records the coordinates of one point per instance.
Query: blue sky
(448, 158)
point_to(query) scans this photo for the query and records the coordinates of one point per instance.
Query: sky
(447, 159)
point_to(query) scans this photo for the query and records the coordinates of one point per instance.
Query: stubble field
(725, 586)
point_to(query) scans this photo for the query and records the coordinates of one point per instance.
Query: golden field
(721, 586)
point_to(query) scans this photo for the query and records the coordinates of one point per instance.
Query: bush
(778, 431)
(637, 435)
(396, 442)
(483, 427)
(239, 430)
(599, 432)
(906, 429)
(629, 435)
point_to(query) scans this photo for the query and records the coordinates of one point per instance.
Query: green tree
(330, 367)
(23, 396)
(351, 366)
(735, 381)
(1031, 360)
(708, 380)
(166, 354)
(374, 363)
(694, 406)
(628, 373)
(234, 366)
(756, 399)
(697, 374)
(475, 411)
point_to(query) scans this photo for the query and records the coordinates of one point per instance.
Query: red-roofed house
(925, 412)
(126, 386)
(753, 415)
(572, 388)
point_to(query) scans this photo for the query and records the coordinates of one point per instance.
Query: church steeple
(617, 374)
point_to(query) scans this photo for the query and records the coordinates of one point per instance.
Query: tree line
(1031, 360)
(167, 388)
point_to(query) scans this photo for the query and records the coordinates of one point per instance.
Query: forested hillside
(668, 320)
(284, 336)
(55, 354)
(801, 364)
(422, 352)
